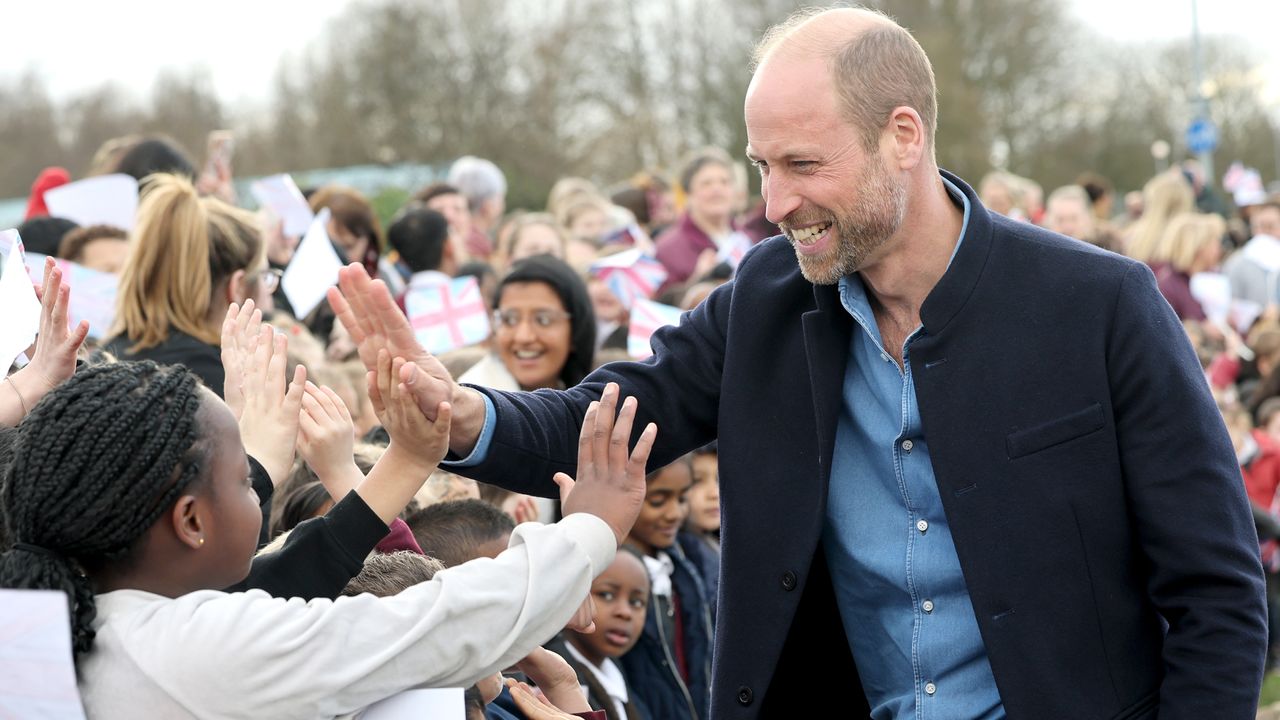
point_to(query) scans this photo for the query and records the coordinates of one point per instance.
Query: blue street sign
(1202, 136)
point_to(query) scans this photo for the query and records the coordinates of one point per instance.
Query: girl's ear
(237, 288)
(188, 525)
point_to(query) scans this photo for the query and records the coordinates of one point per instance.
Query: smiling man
(969, 468)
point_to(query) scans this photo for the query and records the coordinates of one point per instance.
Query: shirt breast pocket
(1045, 435)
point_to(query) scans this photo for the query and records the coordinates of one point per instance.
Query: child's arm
(417, 444)
(466, 623)
(55, 356)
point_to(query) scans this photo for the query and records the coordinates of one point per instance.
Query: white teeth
(806, 236)
(527, 354)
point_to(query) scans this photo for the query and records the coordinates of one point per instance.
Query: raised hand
(326, 438)
(54, 359)
(269, 421)
(241, 329)
(610, 482)
(417, 444)
(371, 318)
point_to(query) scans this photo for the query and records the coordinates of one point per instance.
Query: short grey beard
(862, 231)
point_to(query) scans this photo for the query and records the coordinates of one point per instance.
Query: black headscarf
(573, 295)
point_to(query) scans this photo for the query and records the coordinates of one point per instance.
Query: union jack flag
(630, 275)
(646, 317)
(447, 316)
(733, 249)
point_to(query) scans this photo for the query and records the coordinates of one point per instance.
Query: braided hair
(96, 463)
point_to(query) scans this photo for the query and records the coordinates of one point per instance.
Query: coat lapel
(826, 341)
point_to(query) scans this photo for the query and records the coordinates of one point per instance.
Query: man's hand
(610, 484)
(370, 316)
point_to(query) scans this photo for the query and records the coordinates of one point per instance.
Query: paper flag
(313, 269)
(646, 317)
(93, 293)
(446, 316)
(1213, 292)
(35, 657)
(733, 249)
(280, 195)
(18, 301)
(630, 275)
(102, 200)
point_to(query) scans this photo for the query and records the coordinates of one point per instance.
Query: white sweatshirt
(212, 654)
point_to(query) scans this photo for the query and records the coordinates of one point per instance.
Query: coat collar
(958, 282)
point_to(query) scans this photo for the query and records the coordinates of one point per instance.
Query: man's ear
(906, 135)
(188, 523)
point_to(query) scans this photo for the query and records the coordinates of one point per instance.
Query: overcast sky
(79, 44)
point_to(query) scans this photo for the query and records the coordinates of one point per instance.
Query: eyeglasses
(542, 319)
(270, 279)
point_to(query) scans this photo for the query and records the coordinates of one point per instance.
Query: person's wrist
(468, 420)
(411, 460)
(31, 386)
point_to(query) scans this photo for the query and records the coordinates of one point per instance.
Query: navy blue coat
(1093, 494)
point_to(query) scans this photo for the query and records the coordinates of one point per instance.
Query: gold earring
(201, 542)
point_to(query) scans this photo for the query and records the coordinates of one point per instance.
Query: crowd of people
(252, 517)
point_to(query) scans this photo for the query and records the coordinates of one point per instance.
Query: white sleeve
(251, 655)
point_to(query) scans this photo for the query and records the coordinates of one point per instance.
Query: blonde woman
(1192, 243)
(1164, 197)
(189, 258)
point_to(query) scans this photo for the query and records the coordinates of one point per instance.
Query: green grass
(1270, 689)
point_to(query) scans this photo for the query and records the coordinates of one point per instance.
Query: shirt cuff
(481, 451)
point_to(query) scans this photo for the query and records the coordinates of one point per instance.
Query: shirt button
(930, 688)
(744, 696)
(927, 606)
(788, 581)
(884, 357)
(907, 445)
(922, 526)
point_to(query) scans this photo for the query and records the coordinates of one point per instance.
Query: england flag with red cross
(630, 275)
(447, 316)
(646, 317)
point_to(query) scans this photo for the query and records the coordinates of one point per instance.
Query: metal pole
(1202, 102)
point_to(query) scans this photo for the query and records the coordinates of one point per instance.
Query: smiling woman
(544, 329)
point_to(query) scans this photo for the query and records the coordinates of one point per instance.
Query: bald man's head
(876, 65)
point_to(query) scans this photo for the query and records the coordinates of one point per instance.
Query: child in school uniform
(621, 597)
(670, 666)
(130, 492)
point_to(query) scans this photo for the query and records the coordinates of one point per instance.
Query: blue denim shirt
(902, 596)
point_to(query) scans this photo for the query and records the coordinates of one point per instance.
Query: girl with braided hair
(129, 491)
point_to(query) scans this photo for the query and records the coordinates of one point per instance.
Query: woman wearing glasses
(189, 259)
(544, 336)
(544, 331)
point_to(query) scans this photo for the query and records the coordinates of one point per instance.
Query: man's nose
(780, 198)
